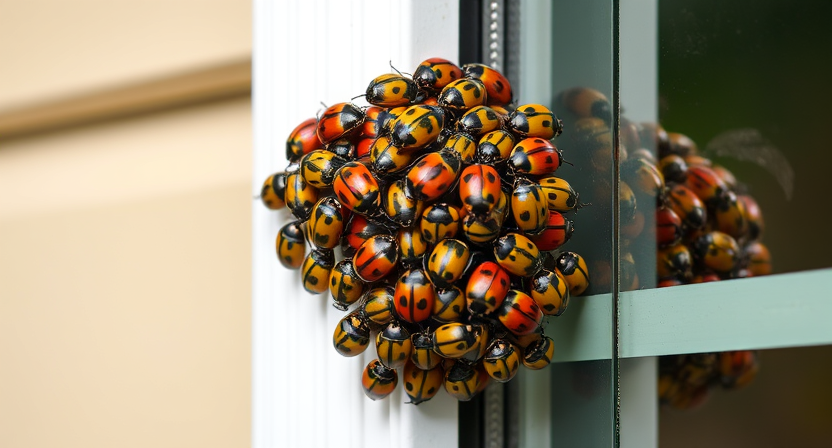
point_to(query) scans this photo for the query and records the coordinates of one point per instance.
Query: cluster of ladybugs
(705, 231)
(442, 200)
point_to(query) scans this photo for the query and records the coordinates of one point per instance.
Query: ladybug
(529, 207)
(316, 269)
(345, 285)
(705, 277)
(387, 118)
(300, 196)
(274, 191)
(479, 120)
(534, 121)
(726, 176)
(758, 258)
(627, 204)
(378, 381)
(378, 305)
(481, 229)
(494, 147)
(479, 188)
(303, 140)
(421, 385)
(462, 144)
(291, 245)
(439, 221)
(737, 368)
(519, 313)
(433, 175)
(385, 158)
(447, 262)
(392, 90)
(339, 120)
(535, 156)
(483, 337)
(414, 297)
(539, 354)
(668, 282)
(504, 110)
(352, 335)
(487, 288)
(449, 304)
(435, 73)
(584, 102)
(362, 150)
(373, 116)
(674, 262)
(501, 361)
(573, 269)
(463, 94)
(496, 85)
(753, 216)
(643, 176)
(326, 223)
(417, 127)
(681, 144)
(559, 194)
(412, 247)
(673, 168)
(706, 184)
(422, 355)
(318, 168)
(344, 148)
(376, 258)
(550, 291)
(716, 251)
(729, 215)
(455, 339)
(668, 227)
(462, 381)
(687, 206)
(557, 232)
(400, 208)
(357, 189)
(393, 345)
(517, 254)
(357, 231)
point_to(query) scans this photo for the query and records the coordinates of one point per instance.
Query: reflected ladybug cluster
(706, 230)
(434, 219)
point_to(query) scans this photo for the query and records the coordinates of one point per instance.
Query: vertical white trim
(639, 402)
(306, 52)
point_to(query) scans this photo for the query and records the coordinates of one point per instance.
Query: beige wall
(125, 260)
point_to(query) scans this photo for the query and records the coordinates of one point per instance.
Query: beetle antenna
(395, 69)
(358, 96)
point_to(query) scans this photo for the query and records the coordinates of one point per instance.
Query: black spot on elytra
(409, 387)
(525, 216)
(396, 90)
(422, 304)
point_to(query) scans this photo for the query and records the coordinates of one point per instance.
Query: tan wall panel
(54, 48)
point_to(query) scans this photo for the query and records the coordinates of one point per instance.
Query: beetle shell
(729, 216)
(758, 258)
(668, 227)
(436, 73)
(716, 251)
(376, 258)
(273, 193)
(463, 94)
(345, 285)
(501, 361)
(496, 85)
(339, 120)
(535, 121)
(300, 196)
(517, 254)
(352, 336)
(378, 381)
(519, 313)
(573, 269)
(487, 288)
(687, 206)
(674, 261)
(372, 125)
(462, 144)
(535, 156)
(481, 229)
(318, 168)
(753, 216)
(479, 120)
(447, 262)
(412, 247)
(316, 270)
(706, 184)
(385, 158)
(439, 221)
(673, 168)
(433, 175)
(290, 245)
(539, 354)
(479, 188)
(557, 232)
(462, 381)
(449, 304)
(423, 355)
(357, 231)
(529, 207)
(643, 177)
(415, 296)
(584, 102)
(378, 305)
(393, 345)
(455, 339)
(422, 385)
(551, 292)
(417, 127)
(326, 223)
(303, 140)
(400, 208)
(495, 147)
(560, 196)
(357, 189)
(392, 90)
